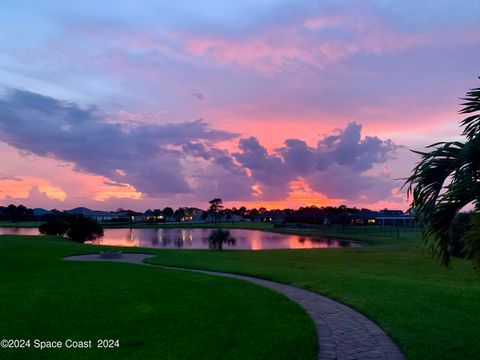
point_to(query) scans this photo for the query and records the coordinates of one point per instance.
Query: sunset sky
(147, 104)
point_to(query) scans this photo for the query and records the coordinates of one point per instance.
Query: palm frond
(445, 180)
(471, 105)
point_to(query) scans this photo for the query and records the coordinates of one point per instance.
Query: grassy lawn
(153, 312)
(27, 224)
(430, 311)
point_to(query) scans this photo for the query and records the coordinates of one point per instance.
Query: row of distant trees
(215, 209)
(15, 213)
(308, 214)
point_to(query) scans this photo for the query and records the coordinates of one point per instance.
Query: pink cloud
(296, 78)
(276, 48)
(285, 49)
(22, 188)
(324, 21)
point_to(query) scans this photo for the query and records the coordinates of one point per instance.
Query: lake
(198, 239)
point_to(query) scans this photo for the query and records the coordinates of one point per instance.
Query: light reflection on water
(198, 239)
(18, 231)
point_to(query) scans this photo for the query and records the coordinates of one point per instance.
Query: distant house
(93, 214)
(194, 214)
(223, 217)
(186, 214)
(365, 217)
(395, 218)
(387, 212)
(151, 216)
(190, 214)
(383, 218)
(129, 215)
(149, 213)
(276, 216)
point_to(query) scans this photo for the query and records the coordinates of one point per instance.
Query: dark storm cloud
(336, 167)
(144, 156)
(168, 159)
(347, 148)
(196, 150)
(268, 170)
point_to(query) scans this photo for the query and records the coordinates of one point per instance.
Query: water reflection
(198, 239)
(18, 231)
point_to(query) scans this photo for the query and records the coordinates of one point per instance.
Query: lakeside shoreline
(364, 235)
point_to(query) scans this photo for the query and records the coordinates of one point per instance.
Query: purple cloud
(268, 170)
(169, 159)
(336, 167)
(147, 157)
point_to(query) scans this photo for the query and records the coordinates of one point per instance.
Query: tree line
(15, 213)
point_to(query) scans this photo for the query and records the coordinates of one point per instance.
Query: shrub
(76, 227)
(56, 226)
(83, 228)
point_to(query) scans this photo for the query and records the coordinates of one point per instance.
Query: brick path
(343, 333)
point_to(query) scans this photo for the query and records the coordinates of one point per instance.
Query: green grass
(27, 224)
(430, 311)
(155, 313)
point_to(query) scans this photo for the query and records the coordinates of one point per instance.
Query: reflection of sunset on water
(256, 241)
(117, 237)
(198, 239)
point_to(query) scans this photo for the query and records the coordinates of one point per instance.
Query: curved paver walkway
(343, 333)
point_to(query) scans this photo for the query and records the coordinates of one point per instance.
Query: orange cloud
(21, 188)
(302, 195)
(112, 190)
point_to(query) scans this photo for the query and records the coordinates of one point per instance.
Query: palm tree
(445, 180)
(216, 207)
